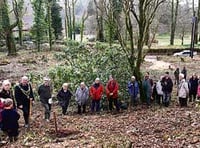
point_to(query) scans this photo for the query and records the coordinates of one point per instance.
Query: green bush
(85, 64)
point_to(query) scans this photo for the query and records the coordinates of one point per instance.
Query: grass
(164, 41)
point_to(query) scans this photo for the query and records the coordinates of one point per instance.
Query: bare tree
(84, 18)
(174, 15)
(143, 13)
(99, 18)
(6, 25)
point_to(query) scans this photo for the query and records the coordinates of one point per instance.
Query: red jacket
(96, 92)
(1, 109)
(112, 87)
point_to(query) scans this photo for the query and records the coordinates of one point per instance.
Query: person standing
(183, 91)
(96, 92)
(147, 87)
(184, 71)
(167, 86)
(176, 75)
(45, 92)
(198, 91)
(193, 85)
(64, 96)
(24, 98)
(82, 94)
(133, 89)
(112, 88)
(159, 96)
(10, 119)
(7, 92)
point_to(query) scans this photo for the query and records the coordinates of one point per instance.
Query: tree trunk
(70, 24)
(20, 26)
(84, 18)
(7, 27)
(172, 24)
(174, 15)
(49, 24)
(73, 19)
(99, 18)
(10, 43)
(66, 19)
(198, 16)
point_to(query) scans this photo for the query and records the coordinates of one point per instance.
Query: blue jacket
(133, 88)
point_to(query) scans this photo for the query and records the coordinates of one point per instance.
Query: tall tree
(49, 22)
(39, 27)
(6, 25)
(143, 12)
(174, 14)
(99, 18)
(68, 20)
(112, 10)
(56, 19)
(73, 19)
(83, 19)
(198, 15)
(21, 12)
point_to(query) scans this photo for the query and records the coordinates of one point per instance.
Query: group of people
(23, 97)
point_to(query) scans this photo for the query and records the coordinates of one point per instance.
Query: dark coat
(64, 97)
(7, 94)
(193, 85)
(22, 98)
(167, 85)
(10, 119)
(44, 93)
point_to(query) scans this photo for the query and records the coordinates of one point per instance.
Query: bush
(85, 64)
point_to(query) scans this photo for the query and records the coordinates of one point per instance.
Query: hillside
(142, 127)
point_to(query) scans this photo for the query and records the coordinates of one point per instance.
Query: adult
(183, 91)
(167, 86)
(64, 96)
(24, 98)
(184, 72)
(193, 85)
(147, 88)
(96, 92)
(7, 92)
(176, 76)
(112, 88)
(82, 94)
(45, 93)
(133, 89)
(159, 96)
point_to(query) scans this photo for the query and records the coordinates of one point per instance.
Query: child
(10, 119)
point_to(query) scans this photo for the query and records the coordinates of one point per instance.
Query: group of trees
(47, 22)
(130, 22)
